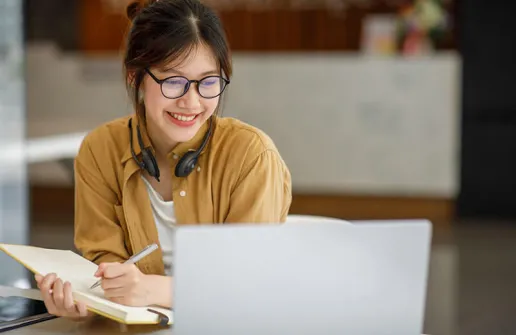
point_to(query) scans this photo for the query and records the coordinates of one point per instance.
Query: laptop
(363, 278)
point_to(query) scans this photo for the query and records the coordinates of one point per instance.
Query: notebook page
(68, 265)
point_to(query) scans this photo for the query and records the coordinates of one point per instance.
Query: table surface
(95, 326)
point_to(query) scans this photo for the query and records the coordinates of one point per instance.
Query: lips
(183, 120)
(183, 117)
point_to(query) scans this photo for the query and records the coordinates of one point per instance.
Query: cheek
(210, 106)
(155, 103)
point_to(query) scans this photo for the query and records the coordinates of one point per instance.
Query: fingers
(67, 306)
(46, 285)
(109, 284)
(68, 303)
(82, 310)
(114, 270)
(120, 276)
(103, 266)
(58, 297)
(48, 282)
(100, 269)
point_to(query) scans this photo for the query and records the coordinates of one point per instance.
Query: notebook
(79, 271)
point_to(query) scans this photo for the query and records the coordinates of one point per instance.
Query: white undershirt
(164, 217)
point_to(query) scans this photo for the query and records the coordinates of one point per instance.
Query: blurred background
(382, 109)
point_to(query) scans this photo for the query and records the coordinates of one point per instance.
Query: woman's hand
(58, 298)
(127, 285)
(124, 284)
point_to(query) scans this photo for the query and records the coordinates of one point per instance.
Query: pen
(135, 258)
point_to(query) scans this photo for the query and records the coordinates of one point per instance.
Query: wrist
(160, 290)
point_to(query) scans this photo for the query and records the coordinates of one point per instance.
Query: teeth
(182, 117)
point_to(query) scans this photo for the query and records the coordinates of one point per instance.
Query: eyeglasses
(176, 86)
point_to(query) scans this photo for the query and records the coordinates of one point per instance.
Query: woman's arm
(262, 193)
(98, 234)
(161, 294)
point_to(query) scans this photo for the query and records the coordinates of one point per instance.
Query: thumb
(100, 270)
(38, 277)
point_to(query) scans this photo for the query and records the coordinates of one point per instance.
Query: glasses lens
(174, 87)
(211, 87)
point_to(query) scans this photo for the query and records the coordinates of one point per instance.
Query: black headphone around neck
(183, 168)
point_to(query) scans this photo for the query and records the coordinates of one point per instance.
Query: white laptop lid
(367, 278)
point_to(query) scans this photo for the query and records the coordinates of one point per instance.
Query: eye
(175, 81)
(210, 81)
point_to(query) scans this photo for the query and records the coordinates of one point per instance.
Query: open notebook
(71, 267)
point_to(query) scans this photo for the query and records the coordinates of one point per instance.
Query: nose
(191, 99)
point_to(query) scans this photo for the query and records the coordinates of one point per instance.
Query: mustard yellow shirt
(240, 178)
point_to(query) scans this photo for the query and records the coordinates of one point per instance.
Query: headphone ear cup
(186, 165)
(150, 163)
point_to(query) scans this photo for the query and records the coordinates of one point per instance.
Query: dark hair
(168, 30)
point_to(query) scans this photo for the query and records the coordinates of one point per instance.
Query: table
(97, 326)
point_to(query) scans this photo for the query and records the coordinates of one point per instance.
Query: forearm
(160, 290)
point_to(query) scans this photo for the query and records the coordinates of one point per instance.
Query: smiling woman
(175, 161)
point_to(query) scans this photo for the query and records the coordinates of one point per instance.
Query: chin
(181, 138)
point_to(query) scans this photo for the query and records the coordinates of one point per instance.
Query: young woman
(173, 162)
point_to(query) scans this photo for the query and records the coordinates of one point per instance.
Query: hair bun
(133, 9)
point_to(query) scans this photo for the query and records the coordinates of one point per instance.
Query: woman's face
(172, 121)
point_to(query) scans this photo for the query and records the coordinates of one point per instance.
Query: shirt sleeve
(262, 193)
(98, 234)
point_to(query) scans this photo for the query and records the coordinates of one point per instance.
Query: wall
(356, 125)
(344, 124)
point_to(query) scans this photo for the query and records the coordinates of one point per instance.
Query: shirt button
(182, 193)
(198, 169)
(175, 156)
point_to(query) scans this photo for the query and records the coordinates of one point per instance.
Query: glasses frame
(188, 84)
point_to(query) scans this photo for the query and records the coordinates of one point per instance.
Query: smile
(182, 117)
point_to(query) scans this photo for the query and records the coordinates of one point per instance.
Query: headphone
(183, 168)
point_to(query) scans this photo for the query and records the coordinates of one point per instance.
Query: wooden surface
(49, 203)
(97, 325)
(267, 29)
(440, 211)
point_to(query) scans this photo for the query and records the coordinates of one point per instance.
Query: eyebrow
(182, 74)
